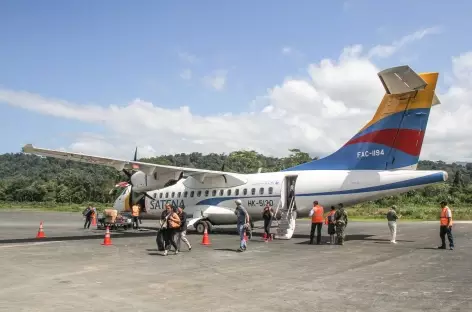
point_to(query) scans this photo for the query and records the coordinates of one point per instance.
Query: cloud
(216, 80)
(186, 74)
(388, 50)
(187, 57)
(287, 50)
(317, 115)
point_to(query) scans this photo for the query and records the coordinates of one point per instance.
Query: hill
(27, 180)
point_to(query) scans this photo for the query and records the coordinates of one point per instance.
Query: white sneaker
(394, 242)
(165, 252)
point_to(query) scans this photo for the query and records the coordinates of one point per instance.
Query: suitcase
(160, 240)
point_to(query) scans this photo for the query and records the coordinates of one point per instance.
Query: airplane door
(287, 192)
(122, 202)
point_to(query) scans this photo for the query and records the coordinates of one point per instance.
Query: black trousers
(316, 226)
(267, 223)
(135, 223)
(170, 239)
(443, 231)
(88, 220)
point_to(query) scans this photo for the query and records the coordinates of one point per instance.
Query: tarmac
(70, 270)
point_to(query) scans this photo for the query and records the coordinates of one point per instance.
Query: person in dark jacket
(267, 215)
(87, 213)
(181, 234)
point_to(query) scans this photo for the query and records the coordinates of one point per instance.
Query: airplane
(379, 160)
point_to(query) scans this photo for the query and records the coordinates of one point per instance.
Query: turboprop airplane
(380, 160)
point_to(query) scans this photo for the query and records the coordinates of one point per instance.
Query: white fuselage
(329, 187)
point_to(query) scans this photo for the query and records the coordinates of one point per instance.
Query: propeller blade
(136, 154)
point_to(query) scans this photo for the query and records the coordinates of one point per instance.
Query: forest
(33, 181)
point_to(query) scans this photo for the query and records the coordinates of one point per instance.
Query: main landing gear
(200, 226)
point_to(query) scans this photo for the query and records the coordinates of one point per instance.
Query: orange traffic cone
(94, 220)
(206, 239)
(40, 231)
(107, 239)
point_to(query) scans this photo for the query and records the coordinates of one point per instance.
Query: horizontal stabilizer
(400, 80)
(436, 100)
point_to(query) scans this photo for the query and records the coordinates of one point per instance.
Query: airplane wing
(118, 164)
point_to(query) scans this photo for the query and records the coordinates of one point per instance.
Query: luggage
(160, 240)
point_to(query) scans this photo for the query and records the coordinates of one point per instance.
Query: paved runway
(71, 271)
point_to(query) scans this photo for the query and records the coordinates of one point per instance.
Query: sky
(102, 77)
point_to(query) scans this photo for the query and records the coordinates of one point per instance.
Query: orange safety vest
(135, 211)
(328, 217)
(317, 214)
(443, 219)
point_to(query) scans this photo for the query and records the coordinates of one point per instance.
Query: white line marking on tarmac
(27, 244)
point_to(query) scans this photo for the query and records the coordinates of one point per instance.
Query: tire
(200, 227)
(209, 225)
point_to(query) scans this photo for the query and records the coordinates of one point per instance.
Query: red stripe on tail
(408, 140)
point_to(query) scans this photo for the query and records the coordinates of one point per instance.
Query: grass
(364, 212)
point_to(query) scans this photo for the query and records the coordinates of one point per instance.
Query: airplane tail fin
(394, 137)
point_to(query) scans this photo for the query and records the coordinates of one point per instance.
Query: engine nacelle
(143, 182)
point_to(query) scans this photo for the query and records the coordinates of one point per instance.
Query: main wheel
(200, 227)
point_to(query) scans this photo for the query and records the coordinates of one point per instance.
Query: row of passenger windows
(213, 193)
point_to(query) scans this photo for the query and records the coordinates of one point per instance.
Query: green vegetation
(32, 182)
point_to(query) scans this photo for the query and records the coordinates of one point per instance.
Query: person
(341, 220)
(173, 223)
(135, 215)
(331, 225)
(267, 215)
(316, 215)
(161, 237)
(445, 226)
(87, 213)
(182, 231)
(392, 223)
(242, 223)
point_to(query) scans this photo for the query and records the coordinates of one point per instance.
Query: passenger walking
(445, 226)
(161, 238)
(316, 215)
(331, 225)
(182, 231)
(242, 223)
(267, 215)
(341, 223)
(87, 213)
(392, 223)
(173, 223)
(135, 215)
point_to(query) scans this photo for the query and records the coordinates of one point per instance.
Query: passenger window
(213, 193)
(185, 194)
(154, 195)
(192, 193)
(271, 189)
(167, 195)
(160, 195)
(261, 191)
(253, 191)
(236, 192)
(245, 192)
(178, 194)
(206, 193)
(173, 194)
(229, 193)
(199, 193)
(222, 192)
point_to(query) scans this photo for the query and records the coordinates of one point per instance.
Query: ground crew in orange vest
(135, 214)
(317, 219)
(331, 222)
(445, 222)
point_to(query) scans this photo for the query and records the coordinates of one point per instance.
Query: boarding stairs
(286, 224)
